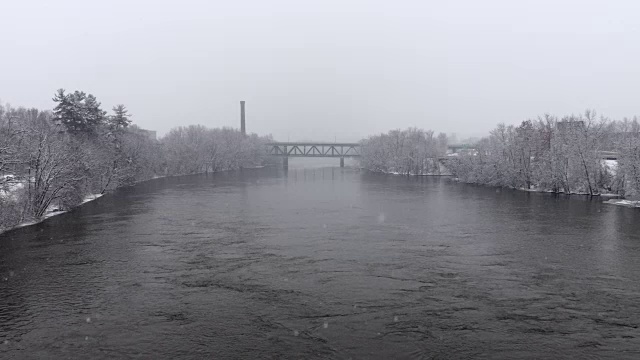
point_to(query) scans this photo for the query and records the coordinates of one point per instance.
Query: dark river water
(323, 263)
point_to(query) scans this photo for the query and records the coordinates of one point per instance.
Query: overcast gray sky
(326, 70)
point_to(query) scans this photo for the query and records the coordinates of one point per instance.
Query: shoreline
(633, 204)
(52, 213)
(614, 199)
(395, 173)
(92, 197)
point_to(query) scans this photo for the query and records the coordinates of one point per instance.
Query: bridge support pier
(285, 160)
(341, 162)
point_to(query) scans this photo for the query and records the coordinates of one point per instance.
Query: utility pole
(243, 129)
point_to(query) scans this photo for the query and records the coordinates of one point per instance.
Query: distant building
(151, 134)
(463, 149)
(570, 125)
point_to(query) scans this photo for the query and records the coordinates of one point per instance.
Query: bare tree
(410, 152)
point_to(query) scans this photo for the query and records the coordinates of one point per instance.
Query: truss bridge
(311, 149)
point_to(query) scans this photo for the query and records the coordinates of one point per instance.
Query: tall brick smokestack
(243, 129)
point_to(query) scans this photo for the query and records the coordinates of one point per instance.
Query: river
(322, 263)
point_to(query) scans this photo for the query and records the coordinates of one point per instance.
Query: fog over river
(323, 262)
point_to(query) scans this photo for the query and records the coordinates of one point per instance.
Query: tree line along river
(323, 263)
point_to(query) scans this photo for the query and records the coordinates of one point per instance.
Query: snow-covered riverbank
(410, 174)
(11, 190)
(443, 171)
(535, 189)
(52, 211)
(625, 203)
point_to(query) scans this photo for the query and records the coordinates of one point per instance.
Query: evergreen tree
(78, 112)
(120, 118)
(65, 112)
(94, 116)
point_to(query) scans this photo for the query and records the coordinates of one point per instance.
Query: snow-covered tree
(120, 118)
(410, 151)
(78, 112)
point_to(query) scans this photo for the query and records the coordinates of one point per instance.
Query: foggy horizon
(330, 71)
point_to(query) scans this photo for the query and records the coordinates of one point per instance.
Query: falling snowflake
(88, 320)
(295, 333)
(325, 325)
(381, 218)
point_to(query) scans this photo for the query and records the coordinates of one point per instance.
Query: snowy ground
(54, 210)
(611, 166)
(9, 186)
(627, 203)
(91, 197)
